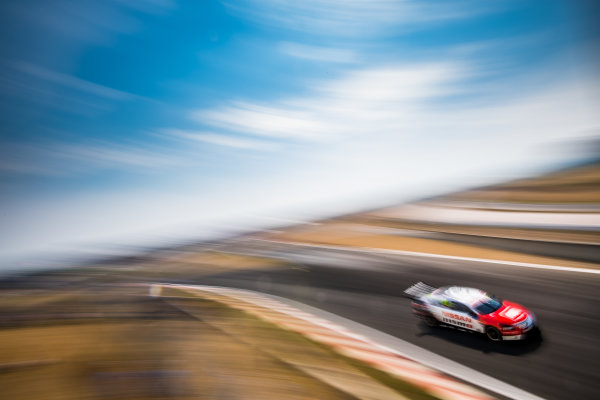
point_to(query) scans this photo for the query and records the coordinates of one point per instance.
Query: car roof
(466, 295)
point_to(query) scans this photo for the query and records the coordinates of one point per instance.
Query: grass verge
(289, 346)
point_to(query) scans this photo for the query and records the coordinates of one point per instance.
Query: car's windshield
(488, 305)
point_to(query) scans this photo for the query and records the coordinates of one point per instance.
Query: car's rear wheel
(493, 334)
(430, 321)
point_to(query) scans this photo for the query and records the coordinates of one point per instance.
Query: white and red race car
(473, 310)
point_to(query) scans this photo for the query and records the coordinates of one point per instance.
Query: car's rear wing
(418, 289)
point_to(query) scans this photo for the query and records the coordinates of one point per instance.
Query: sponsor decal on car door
(450, 313)
(461, 319)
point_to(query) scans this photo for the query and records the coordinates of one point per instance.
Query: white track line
(443, 256)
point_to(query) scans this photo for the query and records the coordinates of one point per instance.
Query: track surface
(563, 364)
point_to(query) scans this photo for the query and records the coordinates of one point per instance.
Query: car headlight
(507, 327)
(526, 323)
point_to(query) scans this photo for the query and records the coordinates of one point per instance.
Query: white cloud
(72, 82)
(318, 53)
(393, 83)
(48, 88)
(400, 102)
(84, 22)
(67, 159)
(371, 116)
(375, 100)
(377, 130)
(351, 18)
(223, 140)
(117, 156)
(181, 149)
(259, 120)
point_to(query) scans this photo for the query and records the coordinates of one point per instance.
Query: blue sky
(135, 121)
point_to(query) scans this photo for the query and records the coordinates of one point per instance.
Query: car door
(459, 315)
(473, 321)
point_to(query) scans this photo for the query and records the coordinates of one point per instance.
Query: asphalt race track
(562, 364)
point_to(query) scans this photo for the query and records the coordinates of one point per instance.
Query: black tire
(493, 334)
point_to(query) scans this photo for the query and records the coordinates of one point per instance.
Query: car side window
(448, 304)
(461, 307)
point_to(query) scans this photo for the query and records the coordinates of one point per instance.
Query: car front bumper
(525, 334)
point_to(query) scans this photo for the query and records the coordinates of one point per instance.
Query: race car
(472, 310)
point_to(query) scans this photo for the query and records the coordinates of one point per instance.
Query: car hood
(510, 313)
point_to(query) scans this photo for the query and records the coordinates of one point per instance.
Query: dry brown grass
(559, 236)
(577, 185)
(293, 350)
(197, 264)
(167, 354)
(560, 195)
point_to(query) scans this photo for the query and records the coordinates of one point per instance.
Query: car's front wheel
(493, 334)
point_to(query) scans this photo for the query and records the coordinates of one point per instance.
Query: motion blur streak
(330, 153)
